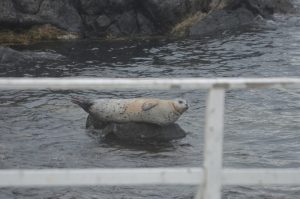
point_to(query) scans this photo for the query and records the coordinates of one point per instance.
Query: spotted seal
(146, 110)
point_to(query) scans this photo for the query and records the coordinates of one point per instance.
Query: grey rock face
(104, 18)
(25, 13)
(93, 7)
(7, 12)
(262, 7)
(28, 6)
(94, 17)
(61, 14)
(276, 6)
(103, 22)
(165, 14)
(231, 14)
(221, 20)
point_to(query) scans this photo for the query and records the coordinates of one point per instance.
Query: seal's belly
(124, 110)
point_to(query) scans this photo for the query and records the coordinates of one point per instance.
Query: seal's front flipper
(148, 105)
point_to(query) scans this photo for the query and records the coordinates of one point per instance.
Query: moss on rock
(180, 28)
(34, 34)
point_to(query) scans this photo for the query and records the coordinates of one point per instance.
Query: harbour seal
(146, 110)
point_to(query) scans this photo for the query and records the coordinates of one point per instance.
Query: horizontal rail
(84, 177)
(261, 176)
(144, 176)
(146, 83)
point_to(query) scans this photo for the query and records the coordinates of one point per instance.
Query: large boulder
(60, 13)
(92, 7)
(232, 14)
(135, 132)
(165, 14)
(27, 6)
(26, 13)
(221, 20)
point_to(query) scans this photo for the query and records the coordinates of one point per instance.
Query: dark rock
(145, 25)
(113, 31)
(143, 131)
(265, 8)
(26, 13)
(118, 18)
(276, 6)
(165, 14)
(127, 23)
(60, 13)
(27, 6)
(93, 7)
(7, 12)
(13, 57)
(103, 22)
(131, 17)
(9, 56)
(90, 28)
(120, 6)
(232, 14)
(221, 20)
(136, 132)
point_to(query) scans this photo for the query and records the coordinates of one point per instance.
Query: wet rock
(103, 22)
(108, 17)
(26, 13)
(127, 23)
(145, 25)
(165, 14)
(120, 6)
(60, 13)
(221, 20)
(34, 34)
(232, 14)
(143, 131)
(119, 18)
(28, 6)
(113, 31)
(93, 7)
(7, 12)
(10, 56)
(135, 132)
(265, 8)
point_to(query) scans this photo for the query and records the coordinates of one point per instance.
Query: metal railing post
(213, 149)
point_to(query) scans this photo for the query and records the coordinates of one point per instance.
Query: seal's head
(180, 105)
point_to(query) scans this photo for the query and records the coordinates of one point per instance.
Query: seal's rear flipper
(83, 103)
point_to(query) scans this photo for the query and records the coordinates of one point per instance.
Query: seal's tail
(83, 103)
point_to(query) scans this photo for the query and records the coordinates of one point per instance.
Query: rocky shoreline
(26, 21)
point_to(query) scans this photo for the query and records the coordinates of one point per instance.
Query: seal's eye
(180, 102)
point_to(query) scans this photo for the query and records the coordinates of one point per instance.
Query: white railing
(211, 177)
